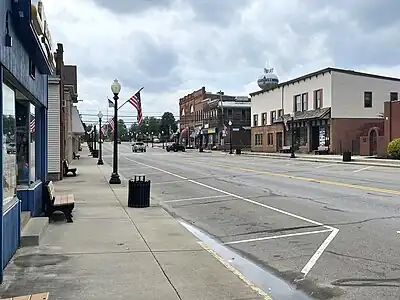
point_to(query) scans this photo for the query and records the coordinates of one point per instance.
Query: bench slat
(64, 200)
(22, 298)
(42, 296)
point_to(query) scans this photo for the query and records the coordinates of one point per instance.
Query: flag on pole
(137, 103)
(111, 123)
(32, 126)
(110, 103)
(104, 130)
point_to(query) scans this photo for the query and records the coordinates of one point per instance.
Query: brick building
(331, 108)
(204, 118)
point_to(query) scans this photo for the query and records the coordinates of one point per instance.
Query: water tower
(268, 80)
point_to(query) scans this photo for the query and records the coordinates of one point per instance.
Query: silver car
(138, 147)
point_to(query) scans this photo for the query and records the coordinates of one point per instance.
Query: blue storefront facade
(25, 63)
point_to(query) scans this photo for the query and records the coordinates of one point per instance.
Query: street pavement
(330, 228)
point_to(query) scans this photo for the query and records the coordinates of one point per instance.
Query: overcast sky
(174, 47)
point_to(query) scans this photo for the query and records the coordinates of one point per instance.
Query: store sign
(41, 28)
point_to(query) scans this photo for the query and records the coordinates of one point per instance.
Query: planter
(347, 156)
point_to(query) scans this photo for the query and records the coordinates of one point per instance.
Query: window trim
(304, 100)
(295, 98)
(258, 139)
(321, 100)
(270, 139)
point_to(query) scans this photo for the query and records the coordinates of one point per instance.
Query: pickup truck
(138, 147)
(175, 147)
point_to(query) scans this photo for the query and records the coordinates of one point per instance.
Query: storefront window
(9, 144)
(32, 148)
(22, 137)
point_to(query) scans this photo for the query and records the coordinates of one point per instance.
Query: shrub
(394, 149)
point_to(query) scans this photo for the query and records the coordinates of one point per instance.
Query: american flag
(32, 126)
(137, 103)
(111, 122)
(104, 130)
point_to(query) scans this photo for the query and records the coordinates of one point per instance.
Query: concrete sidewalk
(115, 252)
(356, 160)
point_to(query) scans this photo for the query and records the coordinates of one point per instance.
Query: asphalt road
(331, 227)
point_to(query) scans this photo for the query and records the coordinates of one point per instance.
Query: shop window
(9, 144)
(33, 171)
(270, 139)
(22, 141)
(258, 137)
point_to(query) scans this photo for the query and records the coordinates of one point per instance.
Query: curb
(333, 161)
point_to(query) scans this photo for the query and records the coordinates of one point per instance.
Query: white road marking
(169, 182)
(307, 268)
(362, 169)
(194, 199)
(398, 231)
(277, 237)
(325, 165)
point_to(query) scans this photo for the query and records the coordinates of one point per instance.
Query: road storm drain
(270, 284)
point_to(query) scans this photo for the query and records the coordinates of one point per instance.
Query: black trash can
(139, 192)
(95, 153)
(346, 156)
(238, 151)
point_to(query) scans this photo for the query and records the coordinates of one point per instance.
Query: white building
(331, 108)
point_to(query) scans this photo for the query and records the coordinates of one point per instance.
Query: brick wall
(346, 133)
(193, 99)
(392, 120)
(274, 129)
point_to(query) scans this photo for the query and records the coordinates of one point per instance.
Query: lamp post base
(100, 161)
(115, 179)
(292, 155)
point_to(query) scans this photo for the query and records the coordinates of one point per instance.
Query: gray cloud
(133, 6)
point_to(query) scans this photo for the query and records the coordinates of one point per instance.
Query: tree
(122, 131)
(150, 125)
(168, 123)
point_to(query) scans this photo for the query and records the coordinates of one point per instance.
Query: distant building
(331, 108)
(204, 118)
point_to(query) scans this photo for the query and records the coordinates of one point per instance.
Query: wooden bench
(76, 155)
(63, 203)
(67, 169)
(285, 149)
(322, 150)
(42, 296)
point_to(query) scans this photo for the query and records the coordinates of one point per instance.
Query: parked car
(175, 147)
(11, 148)
(138, 147)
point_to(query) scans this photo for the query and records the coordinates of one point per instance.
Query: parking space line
(277, 236)
(316, 255)
(362, 169)
(168, 182)
(194, 199)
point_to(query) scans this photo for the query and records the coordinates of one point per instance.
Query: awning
(77, 127)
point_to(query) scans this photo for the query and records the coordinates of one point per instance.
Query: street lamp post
(152, 139)
(147, 138)
(292, 154)
(100, 160)
(162, 136)
(94, 137)
(230, 137)
(115, 88)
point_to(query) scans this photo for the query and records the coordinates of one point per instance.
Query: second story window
(230, 113)
(394, 96)
(273, 116)
(32, 71)
(264, 119)
(255, 120)
(297, 103)
(280, 113)
(304, 101)
(367, 99)
(318, 99)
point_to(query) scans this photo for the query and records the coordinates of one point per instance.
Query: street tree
(168, 123)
